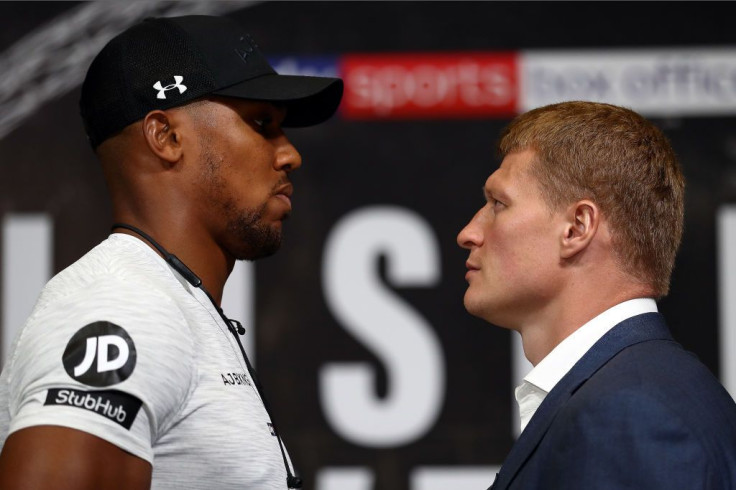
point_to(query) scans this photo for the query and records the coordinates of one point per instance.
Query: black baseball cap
(162, 63)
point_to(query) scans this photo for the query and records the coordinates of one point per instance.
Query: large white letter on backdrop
(399, 336)
(26, 266)
(726, 230)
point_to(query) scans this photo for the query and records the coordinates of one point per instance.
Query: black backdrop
(434, 168)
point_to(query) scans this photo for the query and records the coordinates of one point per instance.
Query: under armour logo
(162, 90)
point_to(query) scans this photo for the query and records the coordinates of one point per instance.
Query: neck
(201, 268)
(159, 197)
(562, 319)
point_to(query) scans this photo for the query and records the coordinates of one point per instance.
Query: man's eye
(262, 124)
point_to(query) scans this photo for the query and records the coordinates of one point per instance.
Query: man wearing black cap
(128, 374)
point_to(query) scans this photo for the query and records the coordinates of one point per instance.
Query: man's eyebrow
(494, 193)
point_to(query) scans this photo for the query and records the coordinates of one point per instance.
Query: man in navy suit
(576, 241)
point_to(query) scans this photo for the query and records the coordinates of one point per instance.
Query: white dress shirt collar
(550, 370)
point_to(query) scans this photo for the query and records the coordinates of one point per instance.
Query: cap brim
(308, 100)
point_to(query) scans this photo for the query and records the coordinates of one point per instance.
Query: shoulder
(135, 305)
(115, 294)
(662, 370)
(115, 259)
(652, 397)
(658, 373)
(109, 331)
(121, 278)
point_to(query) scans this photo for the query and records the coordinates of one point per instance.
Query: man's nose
(287, 156)
(471, 235)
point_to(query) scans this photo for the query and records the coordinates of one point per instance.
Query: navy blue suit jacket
(636, 412)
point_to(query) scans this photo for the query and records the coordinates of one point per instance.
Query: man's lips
(471, 268)
(284, 193)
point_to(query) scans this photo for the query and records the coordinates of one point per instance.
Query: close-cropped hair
(620, 161)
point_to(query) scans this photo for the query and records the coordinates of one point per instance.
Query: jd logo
(162, 90)
(100, 354)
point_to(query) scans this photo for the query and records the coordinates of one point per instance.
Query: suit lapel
(641, 328)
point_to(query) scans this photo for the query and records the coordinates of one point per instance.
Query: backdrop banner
(377, 375)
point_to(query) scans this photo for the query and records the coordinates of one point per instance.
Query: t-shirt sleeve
(114, 360)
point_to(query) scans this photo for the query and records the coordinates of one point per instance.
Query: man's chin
(471, 306)
(261, 251)
(479, 307)
(256, 242)
(252, 258)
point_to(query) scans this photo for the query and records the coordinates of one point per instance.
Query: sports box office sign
(377, 375)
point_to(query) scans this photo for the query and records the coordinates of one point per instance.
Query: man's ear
(583, 219)
(163, 135)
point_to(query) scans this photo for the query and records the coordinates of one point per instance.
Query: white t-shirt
(122, 347)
